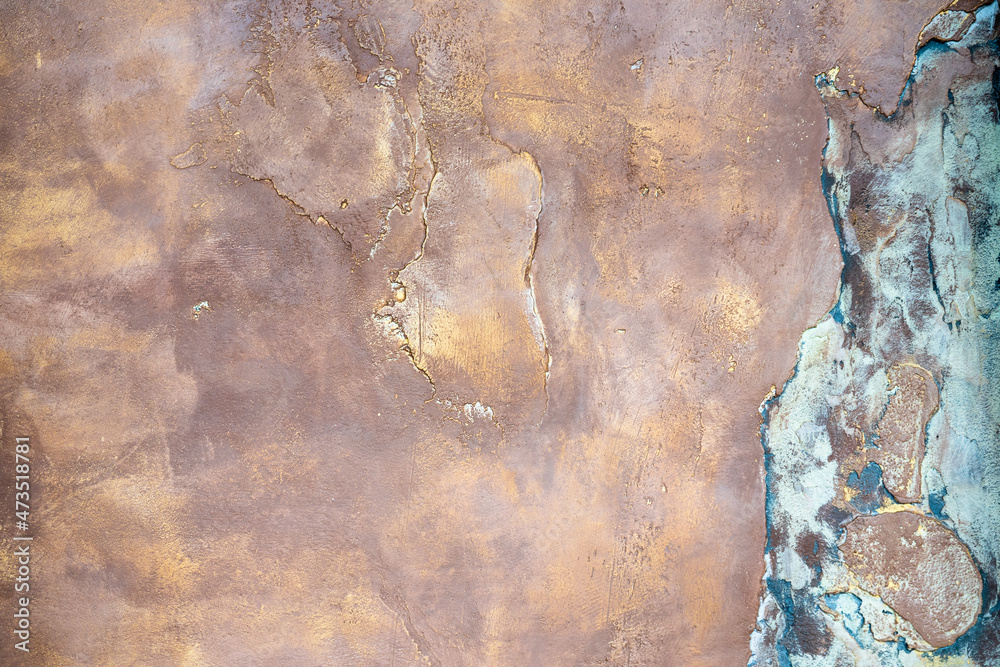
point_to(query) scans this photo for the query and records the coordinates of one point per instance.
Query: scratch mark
(528, 96)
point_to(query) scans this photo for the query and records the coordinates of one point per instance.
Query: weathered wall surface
(435, 333)
(882, 449)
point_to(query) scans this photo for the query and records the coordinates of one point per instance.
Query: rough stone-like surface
(913, 397)
(919, 569)
(884, 440)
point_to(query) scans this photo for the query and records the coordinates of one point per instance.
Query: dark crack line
(934, 284)
(528, 279)
(413, 356)
(531, 287)
(299, 209)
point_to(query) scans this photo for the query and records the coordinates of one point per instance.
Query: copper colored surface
(901, 430)
(413, 333)
(919, 568)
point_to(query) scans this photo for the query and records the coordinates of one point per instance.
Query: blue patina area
(869, 492)
(914, 201)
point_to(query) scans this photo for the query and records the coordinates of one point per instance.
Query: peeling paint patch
(480, 340)
(199, 309)
(920, 569)
(882, 449)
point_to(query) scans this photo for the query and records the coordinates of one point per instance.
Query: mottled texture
(435, 332)
(339, 149)
(883, 481)
(481, 342)
(900, 429)
(919, 569)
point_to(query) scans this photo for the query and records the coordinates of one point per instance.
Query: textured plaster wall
(435, 333)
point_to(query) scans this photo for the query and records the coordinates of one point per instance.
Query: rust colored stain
(920, 569)
(913, 397)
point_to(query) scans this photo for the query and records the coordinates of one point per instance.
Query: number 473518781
(22, 493)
